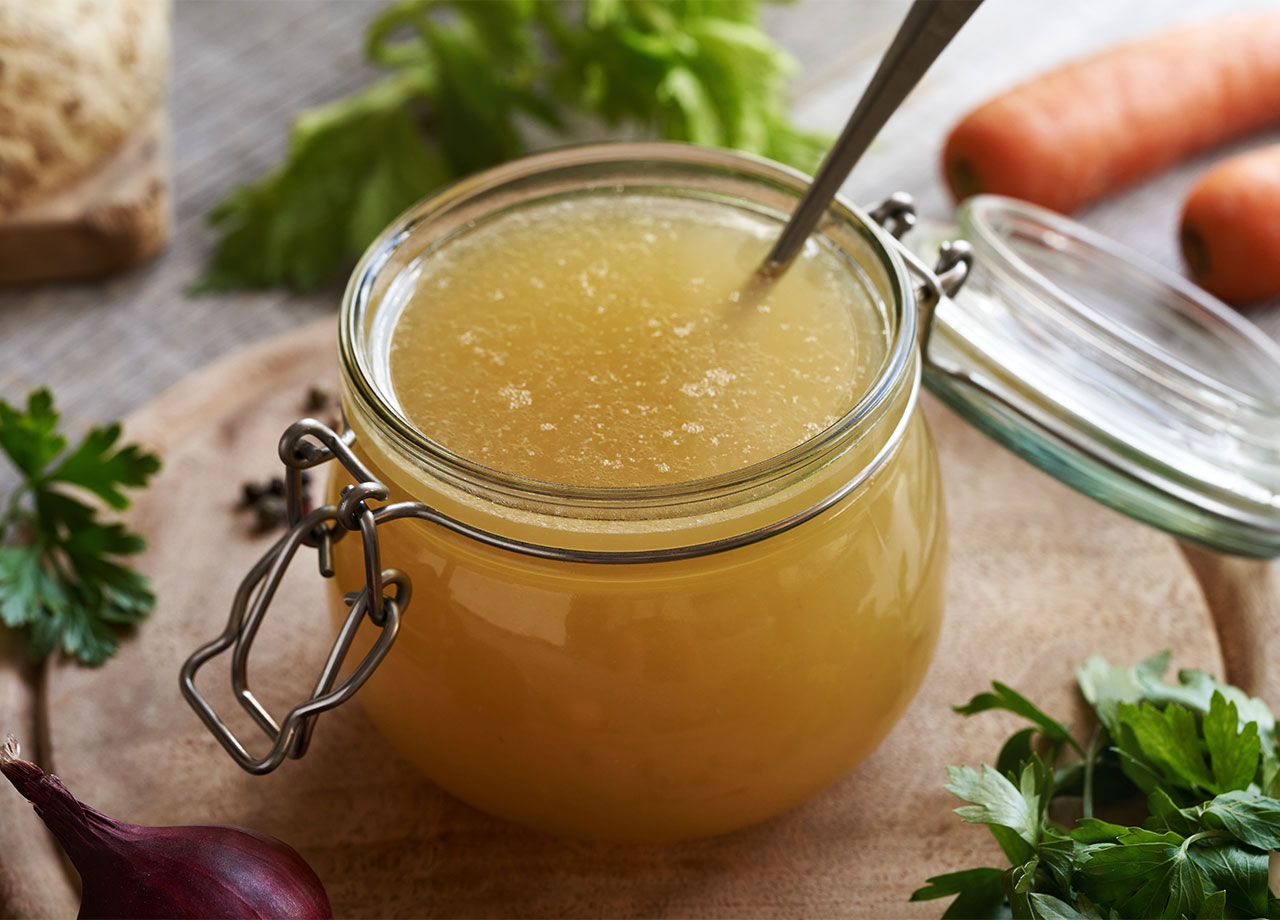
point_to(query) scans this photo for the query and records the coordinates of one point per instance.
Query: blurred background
(243, 69)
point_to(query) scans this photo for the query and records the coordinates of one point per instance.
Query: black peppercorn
(269, 513)
(250, 492)
(318, 397)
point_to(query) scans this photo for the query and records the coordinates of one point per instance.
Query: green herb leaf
(1048, 907)
(1140, 771)
(1093, 830)
(1233, 751)
(1204, 754)
(1269, 774)
(1016, 752)
(1001, 805)
(1169, 741)
(1018, 883)
(1147, 875)
(979, 892)
(1214, 907)
(1167, 816)
(1057, 855)
(349, 166)
(1106, 687)
(27, 590)
(1005, 697)
(469, 83)
(96, 467)
(1239, 870)
(1250, 817)
(61, 578)
(31, 439)
(1195, 690)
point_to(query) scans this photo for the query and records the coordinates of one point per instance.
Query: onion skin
(148, 873)
(183, 872)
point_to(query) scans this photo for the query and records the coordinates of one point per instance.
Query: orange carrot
(1078, 133)
(1231, 228)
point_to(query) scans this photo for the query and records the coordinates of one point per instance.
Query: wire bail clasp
(897, 215)
(306, 444)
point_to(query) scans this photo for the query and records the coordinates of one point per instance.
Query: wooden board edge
(178, 410)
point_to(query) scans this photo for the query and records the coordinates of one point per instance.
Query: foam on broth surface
(609, 341)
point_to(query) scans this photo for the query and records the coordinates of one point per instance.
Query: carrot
(1078, 133)
(1231, 228)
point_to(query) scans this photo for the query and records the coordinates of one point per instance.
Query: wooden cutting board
(1040, 578)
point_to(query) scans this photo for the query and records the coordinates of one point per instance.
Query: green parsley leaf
(1214, 907)
(1016, 751)
(1048, 907)
(1057, 855)
(62, 581)
(1169, 741)
(1147, 875)
(1133, 762)
(1270, 774)
(1094, 830)
(1248, 816)
(1241, 871)
(1195, 690)
(1002, 806)
(468, 83)
(95, 466)
(31, 439)
(1106, 687)
(1233, 751)
(1204, 754)
(979, 892)
(1005, 697)
(1018, 883)
(1167, 816)
(26, 588)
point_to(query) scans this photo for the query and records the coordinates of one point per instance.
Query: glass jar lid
(1113, 374)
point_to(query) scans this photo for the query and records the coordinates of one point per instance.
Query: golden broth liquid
(609, 340)
(617, 342)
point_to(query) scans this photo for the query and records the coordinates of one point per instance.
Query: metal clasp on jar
(305, 444)
(897, 215)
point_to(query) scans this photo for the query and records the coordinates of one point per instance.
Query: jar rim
(899, 365)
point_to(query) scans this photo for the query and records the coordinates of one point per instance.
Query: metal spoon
(928, 28)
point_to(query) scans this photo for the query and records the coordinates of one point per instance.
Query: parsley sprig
(467, 82)
(1204, 756)
(61, 578)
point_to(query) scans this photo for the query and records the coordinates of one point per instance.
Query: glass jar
(731, 646)
(665, 662)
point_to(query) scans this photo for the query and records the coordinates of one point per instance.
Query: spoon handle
(928, 27)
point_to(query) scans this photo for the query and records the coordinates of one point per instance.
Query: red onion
(176, 872)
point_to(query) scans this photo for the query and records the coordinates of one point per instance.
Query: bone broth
(616, 342)
(736, 584)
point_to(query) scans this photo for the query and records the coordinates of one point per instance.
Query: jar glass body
(685, 692)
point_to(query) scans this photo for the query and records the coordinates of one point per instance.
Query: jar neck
(667, 521)
(800, 481)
